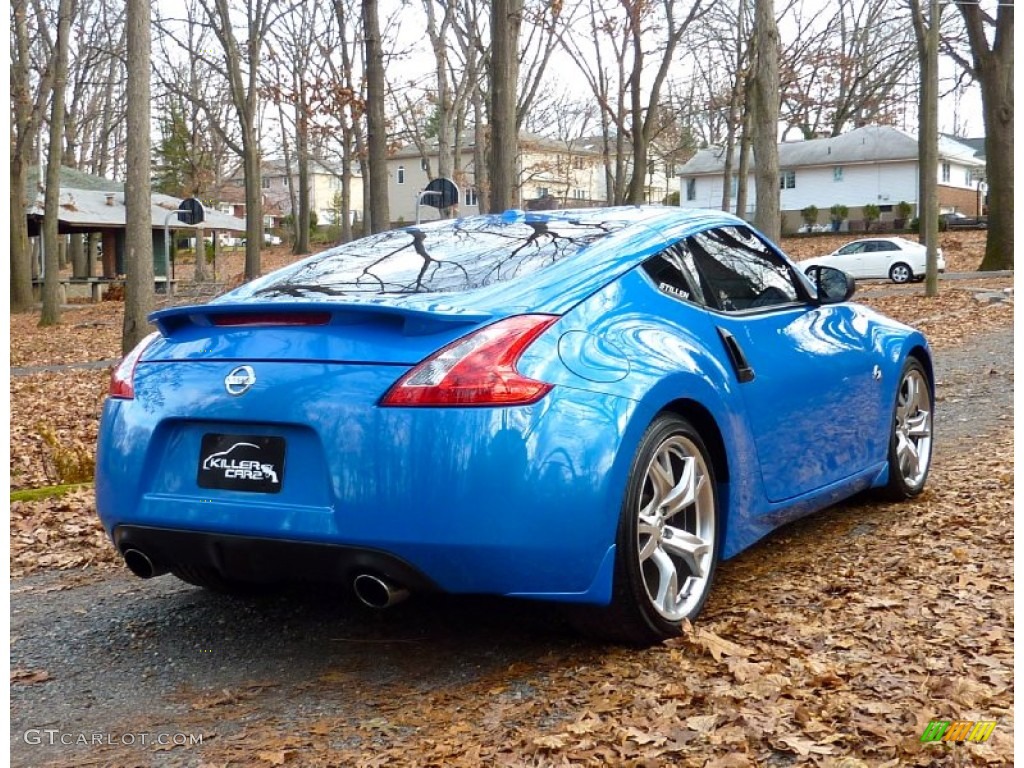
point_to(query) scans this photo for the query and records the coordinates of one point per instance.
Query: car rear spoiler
(415, 321)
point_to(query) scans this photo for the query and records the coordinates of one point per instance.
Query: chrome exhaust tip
(376, 592)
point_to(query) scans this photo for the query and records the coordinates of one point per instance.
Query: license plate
(241, 463)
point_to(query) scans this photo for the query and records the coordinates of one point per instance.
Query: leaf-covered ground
(832, 643)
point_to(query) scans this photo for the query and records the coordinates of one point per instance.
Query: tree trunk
(253, 203)
(993, 67)
(928, 139)
(21, 253)
(480, 178)
(302, 156)
(997, 97)
(26, 114)
(51, 278)
(138, 293)
(77, 255)
(199, 275)
(765, 107)
(928, 149)
(376, 121)
(743, 172)
(506, 19)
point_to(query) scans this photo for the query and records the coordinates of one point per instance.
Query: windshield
(455, 256)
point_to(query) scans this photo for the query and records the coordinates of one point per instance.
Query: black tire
(901, 273)
(907, 476)
(635, 616)
(211, 579)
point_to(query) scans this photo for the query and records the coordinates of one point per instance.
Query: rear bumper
(256, 559)
(511, 501)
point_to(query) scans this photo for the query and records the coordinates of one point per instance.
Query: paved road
(131, 657)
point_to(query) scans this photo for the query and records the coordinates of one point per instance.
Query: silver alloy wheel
(913, 428)
(676, 528)
(900, 273)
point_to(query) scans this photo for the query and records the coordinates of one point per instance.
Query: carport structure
(95, 205)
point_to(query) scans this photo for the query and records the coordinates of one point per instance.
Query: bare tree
(991, 65)
(644, 117)
(378, 215)
(927, 36)
(27, 111)
(241, 62)
(764, 105)
(138, 205)
(506, 21)
(847, 70)
(51, 278)
(626, 77)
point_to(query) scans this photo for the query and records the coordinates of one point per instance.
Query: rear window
(455, 256)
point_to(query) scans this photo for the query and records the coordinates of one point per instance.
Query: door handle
(739, 361)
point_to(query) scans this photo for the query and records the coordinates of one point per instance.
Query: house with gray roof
(874, 164)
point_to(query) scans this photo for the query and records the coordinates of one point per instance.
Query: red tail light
(478, 369)
(272, 318)
(122, 379)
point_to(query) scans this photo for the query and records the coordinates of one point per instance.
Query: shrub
(64, 463)
(838, 213)
(871, 214)
(810, 215)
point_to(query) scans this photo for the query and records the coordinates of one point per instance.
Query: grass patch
(49, 492)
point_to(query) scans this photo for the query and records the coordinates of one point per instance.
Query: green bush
(871, 214)
(809, 215)
(838, 213)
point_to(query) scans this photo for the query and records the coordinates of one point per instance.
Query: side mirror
(832, 285)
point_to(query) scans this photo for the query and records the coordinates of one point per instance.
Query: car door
(873, 259)
(806, 375)
(849, 258)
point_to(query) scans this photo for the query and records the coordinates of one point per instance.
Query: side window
(886, 245)
(740, 271)
(851, 248)
(673, 272)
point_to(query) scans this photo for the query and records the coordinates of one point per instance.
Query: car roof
(634, 233)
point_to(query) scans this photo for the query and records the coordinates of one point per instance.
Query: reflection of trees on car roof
(459, 256)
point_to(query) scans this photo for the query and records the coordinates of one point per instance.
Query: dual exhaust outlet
(371, 590)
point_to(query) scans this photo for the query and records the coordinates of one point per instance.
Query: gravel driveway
(132, 660)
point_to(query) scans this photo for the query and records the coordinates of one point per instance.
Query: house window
(945, 173)
(787, 180)
(577, 163)
(470, 197)
(579, 194)
(691, 189)
(734, 187)
(542, 191)
(968, 177)
(265, 182)
(401, 174)
(423, 164)
(837, 173)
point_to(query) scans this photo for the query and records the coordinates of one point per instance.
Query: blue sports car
(590, 406)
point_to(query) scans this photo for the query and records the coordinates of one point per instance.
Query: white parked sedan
(896, 258)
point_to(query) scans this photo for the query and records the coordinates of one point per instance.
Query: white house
(871, 165)
(553, 171)
(324, 189)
